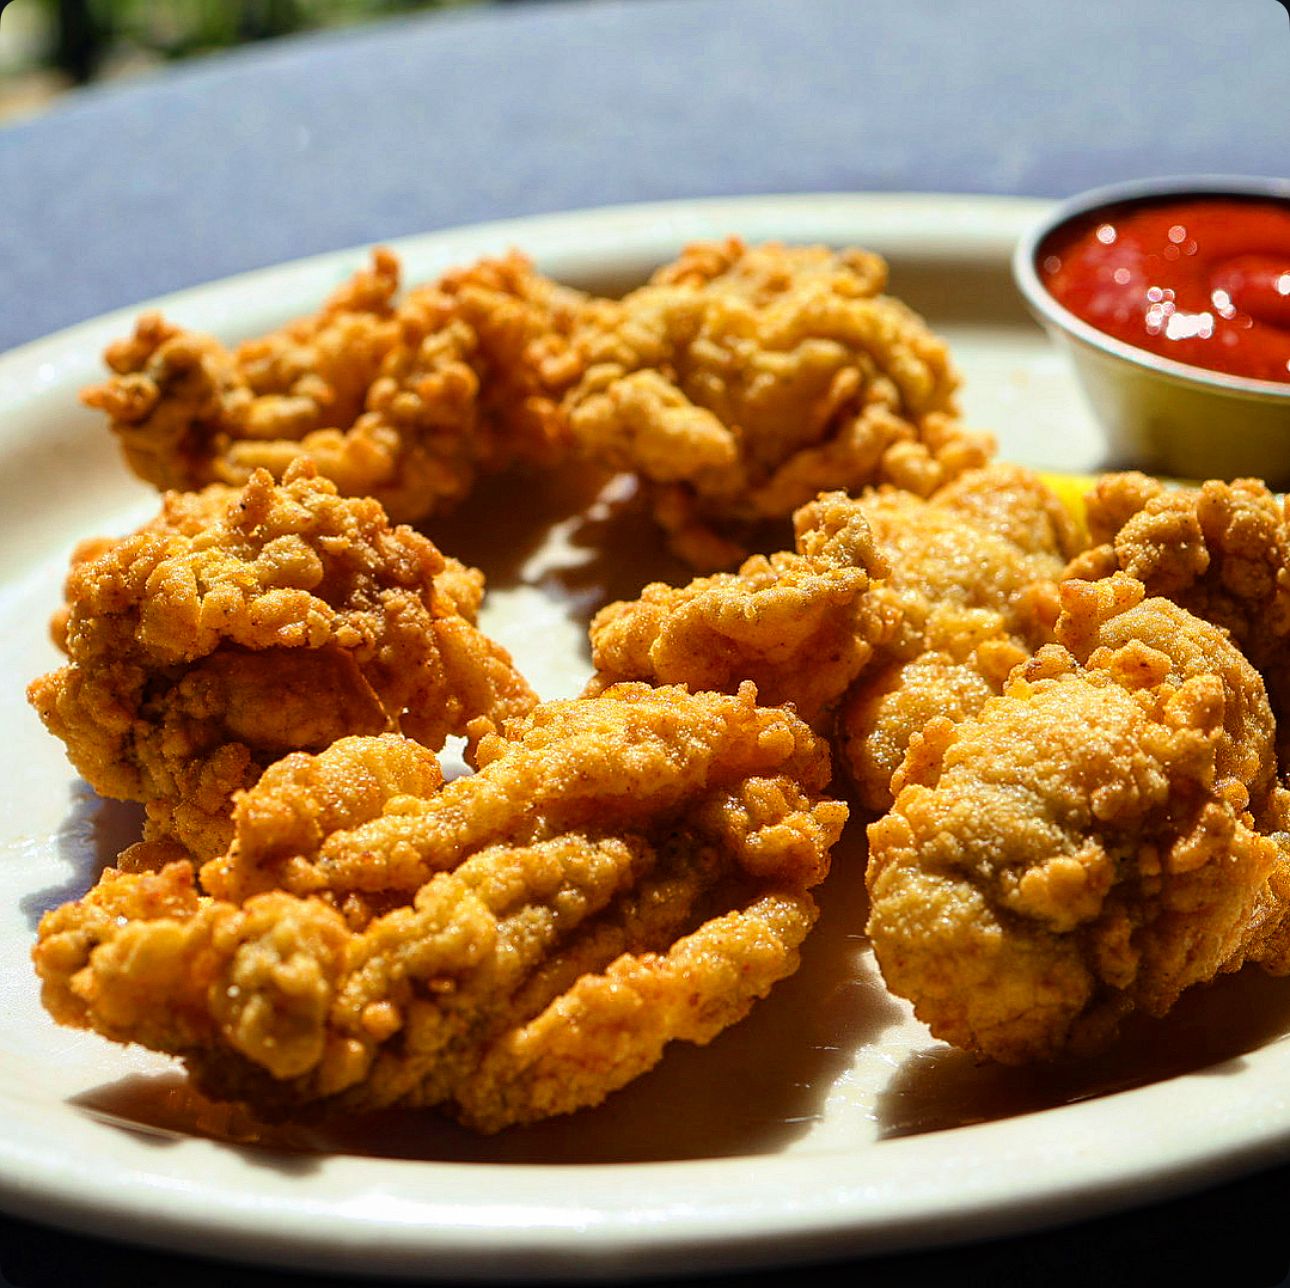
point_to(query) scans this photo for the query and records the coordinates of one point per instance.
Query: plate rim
(716, 1214)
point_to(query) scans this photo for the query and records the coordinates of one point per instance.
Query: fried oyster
(1106, 834)
(742, 381)
(241, 625)
(973, 585)
(800, 624)
(406, 402)
(622, 871)
(1221, 550)
(891, 610)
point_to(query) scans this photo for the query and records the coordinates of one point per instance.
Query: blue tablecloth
(349, 137)
(315, 143)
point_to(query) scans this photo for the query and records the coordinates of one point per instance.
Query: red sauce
(1202, 280)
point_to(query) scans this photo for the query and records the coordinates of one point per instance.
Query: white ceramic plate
(829, 1123)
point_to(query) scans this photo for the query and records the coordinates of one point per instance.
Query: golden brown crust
(891, 609)
(242, 625)
(893, 702)
(405, 401)
(741, 381)
(1083, 846)
(620, 872)
(974, 572)
(178, 400)
(799, 624)
(1087, 817)
(1220, 550)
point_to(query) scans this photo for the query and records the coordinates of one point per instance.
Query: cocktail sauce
(1202, 280)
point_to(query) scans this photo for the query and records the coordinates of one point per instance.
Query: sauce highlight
(1201, 280)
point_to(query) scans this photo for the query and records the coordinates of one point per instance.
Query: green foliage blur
(81, 35)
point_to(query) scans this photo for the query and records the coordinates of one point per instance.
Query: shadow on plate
(627, 549)
(583, 539)
(1207, 1033)
(783, 1060)
(94, 832)
(508, 517)
(610, 551)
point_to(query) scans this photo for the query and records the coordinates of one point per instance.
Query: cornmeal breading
(1069, 727)
(244, 624)
(742, 381)
(1103, 836)
(973, 582)
(801, 624)
(1221, 550)
(406, 402)
(620, 872)
(891, 609)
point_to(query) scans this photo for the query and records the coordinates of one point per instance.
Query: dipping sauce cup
(1227, 304)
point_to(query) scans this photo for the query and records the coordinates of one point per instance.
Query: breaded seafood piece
(893, 609)
(973, 584)
(189, 514)
(622, 871)
(894, 700)
(185, 513)
(1101, 837)
(799, 624)
(243, 624)
(742, 381)
(406, 402)
(994, 541)
(1221, 550)
(179, 399)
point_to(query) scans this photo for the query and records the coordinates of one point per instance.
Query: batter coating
(623, 871)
